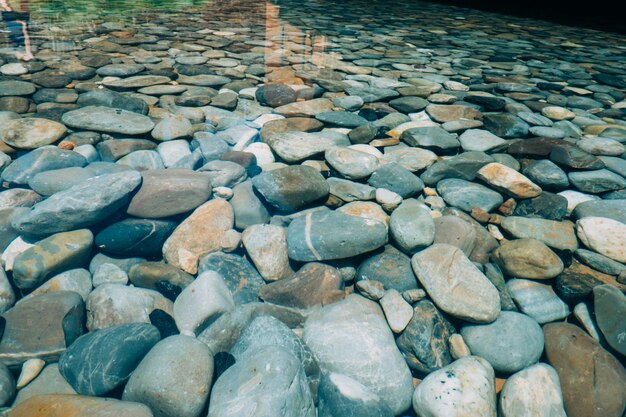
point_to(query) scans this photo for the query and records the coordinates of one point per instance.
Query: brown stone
(445, 113)
(300, 124)
(313, 284)
(41, 327)
(147, 274)
(64, 405)
(592, 380)
(199, 234)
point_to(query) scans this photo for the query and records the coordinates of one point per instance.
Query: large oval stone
(534, 391)
(64, 405)
(174, 378)
(268, 382)
(591, 378)
(31, 133)
(135, 237)
(291, 188)
(326, 235)
(79, 206)
(352, 337)
(511, 343)
(165, 193)
(107, 119)
(603, 235)
(455, 284)
(57, 253)
(466, 387)
(41, 327)
(98, 362)
(528, 258)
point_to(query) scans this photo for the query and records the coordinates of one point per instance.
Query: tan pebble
(458, 347)
(30, 370)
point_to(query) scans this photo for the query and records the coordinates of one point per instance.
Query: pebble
(536, 300)
(109, 120)
(465, 387)
(507, 180)
(603, 235)
(528, 258)
(482, 306)
(532, 391)
(78, 405)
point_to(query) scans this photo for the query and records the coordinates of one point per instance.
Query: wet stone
(106, 119)
(468, 195)
(135, 237)
(431, 138)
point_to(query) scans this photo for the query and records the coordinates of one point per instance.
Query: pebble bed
(305, 209)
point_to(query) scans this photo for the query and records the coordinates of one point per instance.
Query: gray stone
(98, 362)
(330, 235)
(397, 179)
(16, 88)
(49, 182)
(341, 119)
(547, 175)
(49, 381)
(31, 133)
(248, 208)
(463, 166)
(142, 160)
(456, 231)
(505, 125)
(173, 379)
(352, 337)
(431, 137)
(611, 209)
(165, 193)
(24, 168)
(267, 247)
(597, 181)
(291, 188)
(269, 381)
(412, 227)
(350, 191)
(79, 206)
(342, 396)
(351, 163)
(558, 235)
(468, 195)
(511, 343)
(240, 277)
(106, 119)
(481, 140)
(536, 300)
(610, 306)
(599, 262)
(392, 268)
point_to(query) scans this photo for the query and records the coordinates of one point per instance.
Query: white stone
(204, 300)
(352, 337)
(30, 369)
(77, 280)
(574, 198)
(173, 151)
(397, 311)
(465, 388)
(388, 199)
(267, 247)
(17, 246)
(108, 273)
(15, 68)
(262, 151)
(532, 392)
(455, 285)
(7, 295)
(603, 235)
(506, 179)
(583, 315)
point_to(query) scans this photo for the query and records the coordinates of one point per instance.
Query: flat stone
(48, 381)
(511, 343)
(18, 197)
(448, 113)
(341, 119)
(276, 384)
(350, 191)
(534, 391)
(165, 193)
(199, 234)
(174, 378)
(506, 179)
(294, 147)
(172, 127)
(465, 387)
(77, 406)
(313, 284)
(372, 94)
(528, 258)
(412, 159)
(113, 304)
(275, 95)
(392, 268)
(599, 262)
(547, 175)
(597, 181)
(609, 305)
(98, 362)
(77, 280)
(590, 376)
(463, 166)
(119, 70)
(31, 133)
(57, 253)
(137, 81)
(307, 108)
(468, 195)
(611, 209)
(330, 235)
(24, 168)
(557, 235)
(505, 125)
(456, 231)
(600, 146)
(574, 157)
(16, 88)
(291, 188)
(112, 150)
(49, 182)
(425, 341)
(409, 104)
(412, 227)
(603, 235)
(546, 205)
(355, 329)
(41, 327)
(79, 206)
(537, 300)
(473, 298)
(109, 120)
(135, 237)
(299, 124)
(396, 178)
(481, 140)
(350, 163)
(430, 137)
